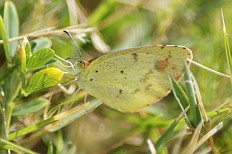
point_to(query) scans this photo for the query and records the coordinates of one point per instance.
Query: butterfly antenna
(66, 31)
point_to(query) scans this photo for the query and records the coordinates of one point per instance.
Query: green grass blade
(71, 5)
(11, 22)
(50, 148)
(227, 48)
(62, 117)
(105, 7)
(5, 41)
(181, 97)
(164, 137)
(17, 147)
(194, 115)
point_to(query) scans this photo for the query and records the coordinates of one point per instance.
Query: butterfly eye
(83, 62)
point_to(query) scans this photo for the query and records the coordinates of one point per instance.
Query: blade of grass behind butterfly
(181, 97)
(227, 48)
(64, 116)
(200, 107)
(194, 115)
(171, 128)
(183, 101)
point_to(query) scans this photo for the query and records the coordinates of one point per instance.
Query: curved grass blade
(194, 115)
(64, 116)
(227, 48)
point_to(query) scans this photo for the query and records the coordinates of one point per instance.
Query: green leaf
(11, 22)
(43, 79)
(40, 43)
(12, 86)
(40, 58)
(30, 107)
(5, 41)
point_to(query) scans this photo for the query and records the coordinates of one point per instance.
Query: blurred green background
(120, 24)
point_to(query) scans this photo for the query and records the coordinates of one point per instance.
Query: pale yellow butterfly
(130, 79)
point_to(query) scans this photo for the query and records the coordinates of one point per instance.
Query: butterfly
(131, 79)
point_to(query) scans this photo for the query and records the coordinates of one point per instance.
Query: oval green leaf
(40, 58)
(43, 79)
(11, 22)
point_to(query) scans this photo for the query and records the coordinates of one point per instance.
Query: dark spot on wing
(146, 76)
(161, 65)
(96, 71)
(176, 46)
(135, 56)
(183, 48)
(148, 87)
(91, 80)
(122, 72)
(162, 47)
(120, 91)
(135, 91)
